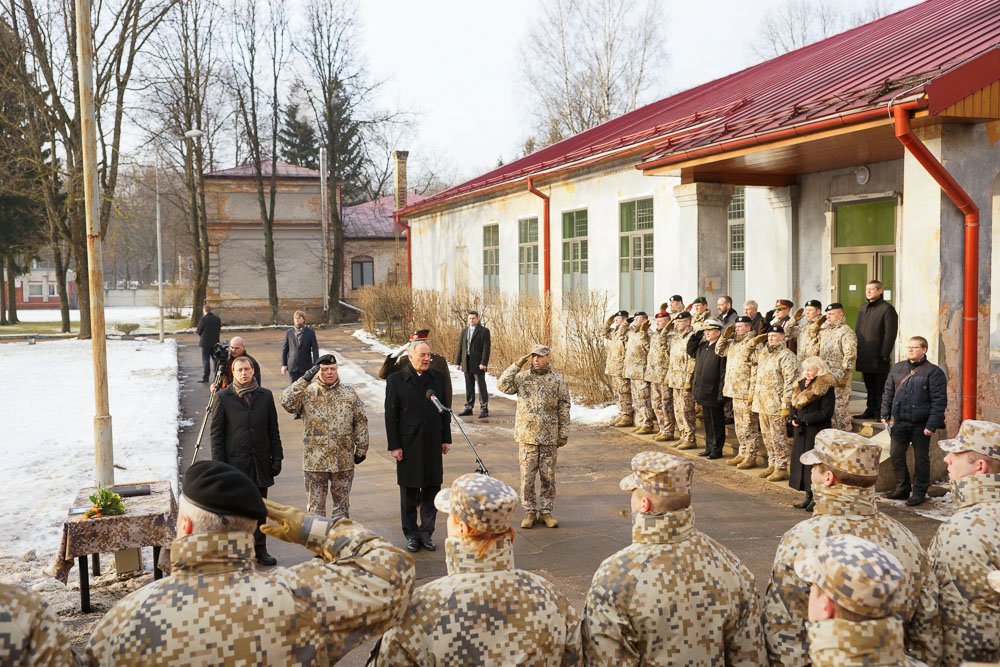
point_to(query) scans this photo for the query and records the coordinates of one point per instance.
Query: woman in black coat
(813, 403)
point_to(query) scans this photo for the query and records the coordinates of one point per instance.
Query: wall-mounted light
(862, 174)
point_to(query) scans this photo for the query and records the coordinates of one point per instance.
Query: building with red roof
(860, 157)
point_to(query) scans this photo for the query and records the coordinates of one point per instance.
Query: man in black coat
(876, 330)
(473, 357)
(209, 328)
(915, 397)
(757, 323)
(726, 314)
(418, 436)
(237, 349)
(300, 351)
(706, 385)
(245, 435)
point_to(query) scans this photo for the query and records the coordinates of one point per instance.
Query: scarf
(243, 389)
(298, 334)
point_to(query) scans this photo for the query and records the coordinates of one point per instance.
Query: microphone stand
(441, 407)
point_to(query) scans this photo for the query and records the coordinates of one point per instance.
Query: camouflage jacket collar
(975, 489)
(844, 500)
(212, 553)
(327, 387)
(462, 555)
(539, 371)
(774, 348)
(830, 327)
(840, 643)
(665, 528)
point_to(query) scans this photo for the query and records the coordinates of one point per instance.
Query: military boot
(660, 437)
(767, 472)
(747, 464)
(646, 429)
(624, 421)
(528, 521)
(687, 445)
(549, 520)
(735, 461)
(778, 476)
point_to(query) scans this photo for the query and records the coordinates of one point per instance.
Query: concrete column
(703, 257)
(781, 239)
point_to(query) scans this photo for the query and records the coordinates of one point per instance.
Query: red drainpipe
(547, 252)
(970, 304)
(409, 263)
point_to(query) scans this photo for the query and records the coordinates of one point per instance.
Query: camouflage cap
(540, 350)
(859, 576)
(484, 503)
(975, 435)
(994, 579)
(660, 474)
(843, 451)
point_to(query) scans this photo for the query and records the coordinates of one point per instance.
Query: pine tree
(297, 140)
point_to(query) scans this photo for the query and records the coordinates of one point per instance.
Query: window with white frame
(52, 290)
(362, 271)
(34, 290)
(737, 248)
(575, 261)
(635, 274)
(527, 256)
(491, 257)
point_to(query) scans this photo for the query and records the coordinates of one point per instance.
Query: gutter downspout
(409, 263)
(547, 252)
(970, 280)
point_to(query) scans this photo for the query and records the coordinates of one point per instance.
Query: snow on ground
(48, 435)
(939, 509)
(116, 314)
(370, 389)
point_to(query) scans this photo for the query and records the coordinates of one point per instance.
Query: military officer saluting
(699, 313)
(541, 426)
(616, 331)
(838, 347)
(636, 351)
(679, 379)
(657, 368)
(773, 381)
(738, 346)
(804, 327)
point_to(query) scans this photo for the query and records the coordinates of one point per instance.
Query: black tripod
(213, 400)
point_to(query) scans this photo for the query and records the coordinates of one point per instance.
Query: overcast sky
(456, 63)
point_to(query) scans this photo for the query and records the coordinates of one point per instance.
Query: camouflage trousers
(623, 395)
(641, 403)
(841, 411)
(747, 429)
(663, 407)
(337, 484)
(683, 413)
(540, 459)
(775, 435)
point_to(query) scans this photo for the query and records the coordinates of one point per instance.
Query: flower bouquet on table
(106, 503)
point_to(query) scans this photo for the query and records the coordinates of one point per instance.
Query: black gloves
(358, 458)
(275, 467)
(311, 373)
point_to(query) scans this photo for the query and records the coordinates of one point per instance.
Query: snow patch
(602, 415)
(112, 314)
(370, 389)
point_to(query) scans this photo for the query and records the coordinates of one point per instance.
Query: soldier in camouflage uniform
(838, 347)
(616, 331)
(30, 632)
(335, 435)
(215, 608)
(854, 585)
(704, 612)
(699, 313)
(738, 347)
(675, 305)
(485, 611)
(636, 351)
(679, 379)
(773, 376)
(541, 426)
(804, 327)
(967, 546)
(657, 366)
(844, 471)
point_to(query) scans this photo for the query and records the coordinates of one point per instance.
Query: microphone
(432, 397)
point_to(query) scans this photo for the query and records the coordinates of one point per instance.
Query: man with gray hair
(216, 608)
(750, 309)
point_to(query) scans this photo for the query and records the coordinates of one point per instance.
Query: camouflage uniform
(30, 631)
(335, 430)
(540, 425)
(838, 347)
(216, 608)
(614, 367)
(636, 351)
(806, 332)
(862, 578)
(848, 510)
(704, 612)
(485, 611)
(966, 549)
(739, 354)
(773, 380)
(679, 380)
(657, 366)
(698, 321)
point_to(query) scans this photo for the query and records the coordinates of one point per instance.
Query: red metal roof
(373, 219)
(858, 69)
(285, 170)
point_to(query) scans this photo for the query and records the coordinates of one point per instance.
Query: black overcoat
(479, 350)
(209, 329)
(413, 424)
(921, 400)
(402, 362)
(709, 371)
(245, 435)
(299, 356)
(812, 408)
(876, 329)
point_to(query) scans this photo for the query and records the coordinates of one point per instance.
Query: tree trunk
(11, 294)
(60, 281)
(82, 281)
(337, 270)
(272, 276)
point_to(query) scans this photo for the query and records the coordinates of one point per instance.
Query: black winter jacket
(413, 424)
(246, 435)
(921, 400)
(876, 329)
(709, 371)
(209, 328)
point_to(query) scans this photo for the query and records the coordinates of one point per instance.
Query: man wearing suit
(209, 328)
(399, 360)
(300, 343)
(418, 436)
(472, 358)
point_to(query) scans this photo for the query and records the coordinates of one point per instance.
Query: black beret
(621, 313)
(683, 315)
(640, 312)
(327, 360)
(677, 297)
(775, 329)
(743, 319)
(700, 299)
(814, 303)
(836, 305)
(220, 488)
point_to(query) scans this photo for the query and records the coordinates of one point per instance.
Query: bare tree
(588, 61)
(797, 23)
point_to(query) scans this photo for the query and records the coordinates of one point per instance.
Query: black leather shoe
(484, 413)
(714, 455)
(297, 416)
(916, 499)
(465, 413)
(265, 558)
(805, 503)
(413, 545)
(865, 415)
(702, 453)
(428, 544)
(812, 505)
(898, 494)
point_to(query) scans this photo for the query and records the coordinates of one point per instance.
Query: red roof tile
(373, 219)
(858, 69)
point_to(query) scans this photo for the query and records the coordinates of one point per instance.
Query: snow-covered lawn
(48, 453)
(116, 314)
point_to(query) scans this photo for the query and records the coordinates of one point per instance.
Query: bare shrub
(581, 346)
(175, 298)
(385, 310)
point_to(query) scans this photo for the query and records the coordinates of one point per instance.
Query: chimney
(400, 159)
